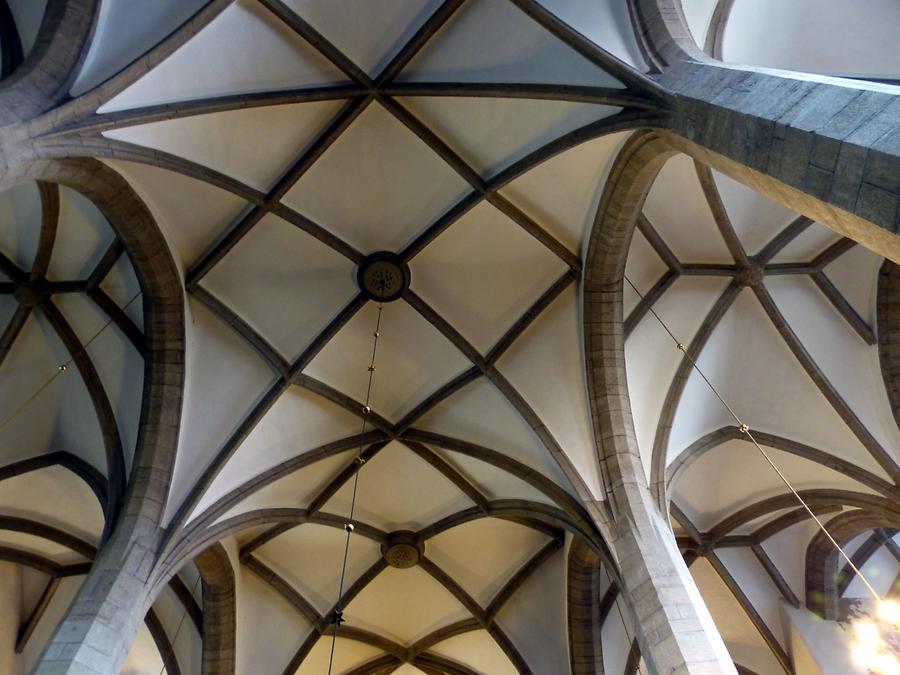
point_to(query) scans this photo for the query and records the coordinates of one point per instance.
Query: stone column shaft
(828, 148)
(675, 631)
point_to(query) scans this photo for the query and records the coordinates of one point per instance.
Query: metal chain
(337, 617)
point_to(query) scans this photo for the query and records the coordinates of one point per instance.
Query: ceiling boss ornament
(382, 277)
(402, 550)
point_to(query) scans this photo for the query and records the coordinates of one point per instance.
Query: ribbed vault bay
(780, 314)
(278, 143)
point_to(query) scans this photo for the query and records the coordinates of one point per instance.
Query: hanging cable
(745, 429)
(63, 367)
(171, 654)
(337, 617)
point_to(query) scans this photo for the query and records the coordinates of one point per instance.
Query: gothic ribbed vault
(277, 143)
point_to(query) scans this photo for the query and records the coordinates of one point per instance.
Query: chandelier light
(875, 642)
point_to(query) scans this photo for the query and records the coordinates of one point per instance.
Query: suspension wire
(745, 429)
(171, 654)
(337, 617)
(63, 367)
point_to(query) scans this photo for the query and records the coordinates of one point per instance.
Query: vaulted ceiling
(277, 144)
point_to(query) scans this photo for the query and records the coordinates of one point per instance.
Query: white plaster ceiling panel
(307, 558)
(295, 490)
(285, 283)
(224, 379)
(493, 41)
(615, 640)
(546, 366)
(643, 267)
(378, 185)
(787, 549)
(755, 217)
(651, 358)
(534, 618)
(404, 605)
(494, 483)
(810, 243)
(269, 629)
(348, 654)
(119, 365)
(30, 362)
(855, 274)
(192, 214)
(125, 31)
(483, 273)
(880, 570)
(503, 548)
(407, 669)
(492, 133)
(82, 237)
(143, 657)
(39, 546)
(754, 524)
(698, 14)
(801, 35)
(243, 50)
(752, 367)
(747, 478)
(480, 414)
(736, 629)
(187, 648)
(253, 145)
(84, 316)
(20, 223)
(413, 359)
(563, 192)
(59, 603)
(8, 307)
(677, 208)
(122, 286)
(850, 364)
(398, 490)
(298, 422)
(478, 650)
(61, 416)
(66, 501)
(246, 535)
(607, 24)
(369, 32)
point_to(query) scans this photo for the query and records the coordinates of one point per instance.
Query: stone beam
(96, 633)
(825, 147)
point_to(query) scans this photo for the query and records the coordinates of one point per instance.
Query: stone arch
(584, 571)
(45, 76)
(219, 614)
(823, 562)
(115, 593)
(888, 317)
(656, 582)
(629, 182)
